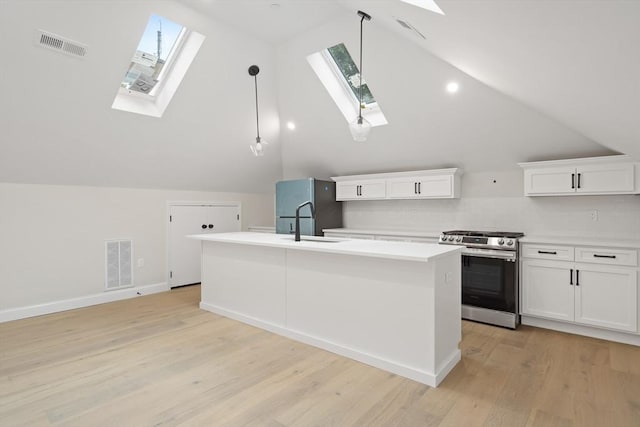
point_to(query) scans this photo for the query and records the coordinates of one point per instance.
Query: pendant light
(360, 127)
(258, 148)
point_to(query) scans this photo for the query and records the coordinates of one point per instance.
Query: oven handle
(510, 256)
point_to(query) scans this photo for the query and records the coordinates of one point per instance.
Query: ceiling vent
(406, 25)
(60, 44)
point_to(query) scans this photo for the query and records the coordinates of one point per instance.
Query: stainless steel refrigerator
(291, 194)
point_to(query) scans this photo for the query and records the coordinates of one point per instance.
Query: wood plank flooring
(159, 360)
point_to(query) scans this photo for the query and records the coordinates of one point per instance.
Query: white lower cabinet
(588, 294)
(546, 289)
(606, 297)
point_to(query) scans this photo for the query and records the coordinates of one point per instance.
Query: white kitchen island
(392, 305)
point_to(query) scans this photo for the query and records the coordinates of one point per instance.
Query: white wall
(52, 244)
(500, 206)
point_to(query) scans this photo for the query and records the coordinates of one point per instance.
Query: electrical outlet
(140, 262)
(594, 215)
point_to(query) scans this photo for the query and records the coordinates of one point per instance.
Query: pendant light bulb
(360, 129)
(258, 148)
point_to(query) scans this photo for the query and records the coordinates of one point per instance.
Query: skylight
(159, 63)
(157, 49)
(339, 74)
(429, 5)
(349, 71)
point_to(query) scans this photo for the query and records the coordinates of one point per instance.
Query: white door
(549, 181)
(184, 253)
(607, 297)
(609, 178)
(547, 289)
(402, 188)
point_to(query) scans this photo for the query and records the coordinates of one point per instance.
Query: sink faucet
(313, 215)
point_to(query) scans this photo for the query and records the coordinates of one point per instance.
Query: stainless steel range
(489, 275)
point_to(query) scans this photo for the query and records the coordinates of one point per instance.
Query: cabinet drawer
(607, 256)
(560, 253)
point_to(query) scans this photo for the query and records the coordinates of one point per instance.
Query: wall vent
(118, 264)
(61, 44)
(406, 25)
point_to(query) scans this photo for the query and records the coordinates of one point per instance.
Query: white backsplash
(617, 216)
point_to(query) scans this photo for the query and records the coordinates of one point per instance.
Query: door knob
(210, 225)
(204, 226)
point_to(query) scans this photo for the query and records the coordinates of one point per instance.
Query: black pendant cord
(363, 16)
(257, 120)
(360, 101)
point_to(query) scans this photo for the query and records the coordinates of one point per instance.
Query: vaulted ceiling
(540, 80)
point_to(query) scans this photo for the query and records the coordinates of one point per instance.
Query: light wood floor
(159, 360)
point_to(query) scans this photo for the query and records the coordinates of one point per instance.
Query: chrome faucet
(313, 215)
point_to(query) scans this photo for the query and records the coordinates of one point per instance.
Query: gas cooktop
(503, 234)
(502, 240)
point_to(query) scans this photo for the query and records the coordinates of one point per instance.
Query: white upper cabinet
(597, 175)
(423, 187)
(361, 189)
(426, 184)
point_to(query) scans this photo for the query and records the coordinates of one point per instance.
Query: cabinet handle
(548, 252)
(579, 180)
(204, 226)
(604, 256)
(571, 276)
(359, 190)
(577, 277)
(573, 180)
(210, 225)
(419, 188)
(415, 188)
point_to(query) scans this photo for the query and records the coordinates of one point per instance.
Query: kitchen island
(392, 305)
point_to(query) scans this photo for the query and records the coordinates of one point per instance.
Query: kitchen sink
(315, 239)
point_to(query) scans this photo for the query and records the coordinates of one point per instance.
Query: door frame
(171, 203)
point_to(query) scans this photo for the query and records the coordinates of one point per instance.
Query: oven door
(489, 279)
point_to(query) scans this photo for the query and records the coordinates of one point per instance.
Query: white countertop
(405, 251)
(408, 233)
(582, 241)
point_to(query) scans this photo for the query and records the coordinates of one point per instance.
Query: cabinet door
(607, 297)
(437, 186)
(547, 290)
(402, 188)
(421, 187)
(607, 178)
(224, 219)
(370, 189)
(549, 181)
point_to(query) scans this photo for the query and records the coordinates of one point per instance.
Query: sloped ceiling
(574, 60)
(477, 129)
(58, 126)
(540, 80)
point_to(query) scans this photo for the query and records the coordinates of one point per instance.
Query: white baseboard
(80, 302)
(604, 334)
(421, 376)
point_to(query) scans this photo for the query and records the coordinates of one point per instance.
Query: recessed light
(291, 125)
(452, 87)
